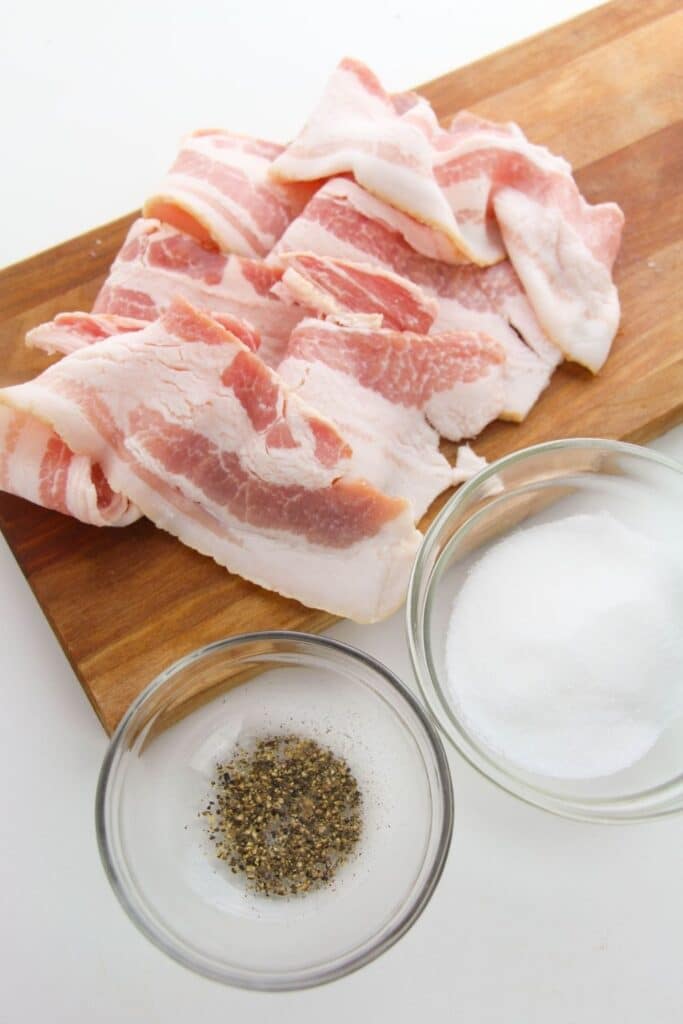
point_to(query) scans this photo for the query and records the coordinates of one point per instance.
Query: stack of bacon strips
(288, 331)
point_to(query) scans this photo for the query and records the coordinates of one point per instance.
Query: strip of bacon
(356, 128)
(211, 446)
(218, 191)
(343, 220)
(564, 253)
(331, 287)
(157, 262)
(511, 196)
(473, 193)
(387, 391)
(492, 301)
(70, 331)
(36, 464)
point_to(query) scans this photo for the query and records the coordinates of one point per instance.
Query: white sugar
(565, 649)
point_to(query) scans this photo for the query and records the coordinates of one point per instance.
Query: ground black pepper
(285, 813)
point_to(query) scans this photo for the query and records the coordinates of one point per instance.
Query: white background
(536, 919)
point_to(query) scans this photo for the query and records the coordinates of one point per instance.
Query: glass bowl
(155, 781)
(540, 484)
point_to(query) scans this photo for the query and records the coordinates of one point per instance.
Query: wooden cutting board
(605, 90)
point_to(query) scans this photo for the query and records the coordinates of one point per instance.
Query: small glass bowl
(156, 780)
(540, 484)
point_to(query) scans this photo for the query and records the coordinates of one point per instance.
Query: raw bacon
(431, 372)
(392, 393)
(357, 128)
(218, 191)
(36, 464)
(70, 331)
(451, 270)
(344, 220)
(472, 194)
(511, 196)
(492, 301)
(157, 262)
(206, 440)
(328, 286)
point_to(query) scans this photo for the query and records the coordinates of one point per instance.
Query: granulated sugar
(565, 647)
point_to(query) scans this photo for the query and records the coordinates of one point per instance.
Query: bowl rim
(588, 810)
(345, 964)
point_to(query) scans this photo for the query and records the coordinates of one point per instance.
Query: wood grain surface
(605, 90)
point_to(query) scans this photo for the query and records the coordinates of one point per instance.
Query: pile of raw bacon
(288, 331)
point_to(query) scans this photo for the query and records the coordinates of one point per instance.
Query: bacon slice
(473, 193)
(472, 156)
(492, 301)
(498, 290)
(70, 331)
(387, 390)
(343, 220)
(511, 196)
(157, 262)
(209, 444)
(564, 255)
(357, 128)
(218, 191)
(36, 464)
(331, 286)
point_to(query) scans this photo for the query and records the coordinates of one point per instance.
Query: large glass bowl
(541, 484)
(155, 781)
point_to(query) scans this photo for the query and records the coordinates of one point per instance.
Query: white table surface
(536, 919)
